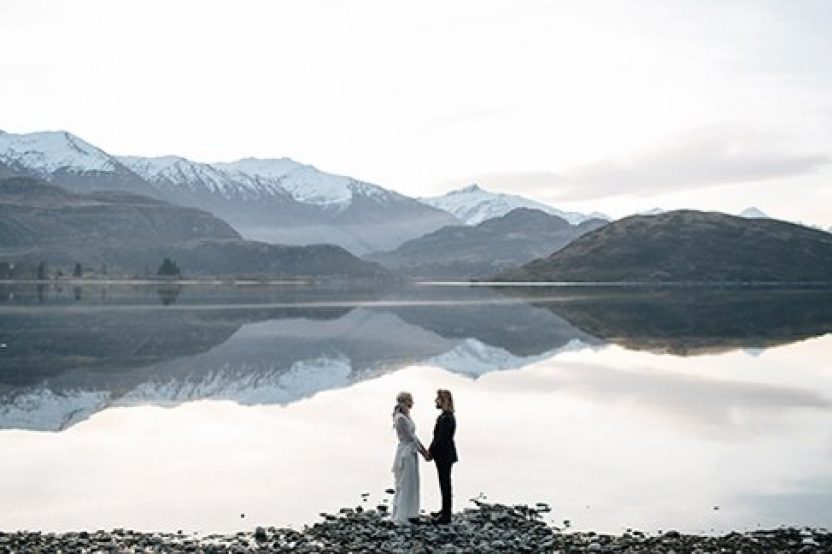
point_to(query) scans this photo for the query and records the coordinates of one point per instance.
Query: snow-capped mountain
(173, 173)
(274, 200)
(252, 178)
(283, 201)
(48, 152)
(303, 182)
(473, 205)
(76, 164)
(753, 213)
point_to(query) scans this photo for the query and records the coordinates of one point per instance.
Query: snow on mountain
(272, 386)
(272, 168)
(171, 173)
(45, 153)
(473, 205)
(251, 178)
(50, 151)
(753, 213)
(310, 186)
(303, 183)
(474, 358)
(280, 200)
(43, 410)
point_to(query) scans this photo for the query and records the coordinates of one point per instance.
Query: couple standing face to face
(442, 451)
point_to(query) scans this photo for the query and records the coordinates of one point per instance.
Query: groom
(443, 451)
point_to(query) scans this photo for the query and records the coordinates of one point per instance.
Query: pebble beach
(486, 527)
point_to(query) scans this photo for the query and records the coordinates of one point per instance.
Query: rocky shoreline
(483, 528)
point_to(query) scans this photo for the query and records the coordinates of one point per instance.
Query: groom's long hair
(447, 399)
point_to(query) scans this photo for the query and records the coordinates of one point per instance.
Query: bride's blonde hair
(401, 398)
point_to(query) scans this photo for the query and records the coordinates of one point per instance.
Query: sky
(587, 105)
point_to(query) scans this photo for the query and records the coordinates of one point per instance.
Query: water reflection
(68, 357)
(168, 293)
(692, 320)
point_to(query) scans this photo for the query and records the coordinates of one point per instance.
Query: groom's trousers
(444, 470)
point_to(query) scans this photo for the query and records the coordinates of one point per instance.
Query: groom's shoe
(441, 519)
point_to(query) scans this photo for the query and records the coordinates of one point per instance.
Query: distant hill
(131, 234)
(252, 258)
(462, 252)
(751, 212)
(33, 213)
(688, 246)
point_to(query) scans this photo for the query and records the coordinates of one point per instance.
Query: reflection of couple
(442, 451)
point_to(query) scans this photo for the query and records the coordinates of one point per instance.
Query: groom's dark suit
(443, 452)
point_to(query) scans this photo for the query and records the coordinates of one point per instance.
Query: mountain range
(246, 215)
(273, 200)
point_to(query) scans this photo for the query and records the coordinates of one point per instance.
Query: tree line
(42, 272)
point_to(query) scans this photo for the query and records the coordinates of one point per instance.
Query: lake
(216, 408)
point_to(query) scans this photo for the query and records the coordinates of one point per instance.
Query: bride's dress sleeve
(405, 430)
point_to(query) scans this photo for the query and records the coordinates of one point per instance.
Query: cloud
(705, 158)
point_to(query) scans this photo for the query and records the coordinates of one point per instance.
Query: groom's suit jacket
(443, 449)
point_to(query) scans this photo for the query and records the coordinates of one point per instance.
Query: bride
(406, 464)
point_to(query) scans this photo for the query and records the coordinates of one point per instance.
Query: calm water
(186, 407)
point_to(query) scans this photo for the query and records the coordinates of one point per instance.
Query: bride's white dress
(406, 471)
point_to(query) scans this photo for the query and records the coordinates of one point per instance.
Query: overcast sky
(591, 105)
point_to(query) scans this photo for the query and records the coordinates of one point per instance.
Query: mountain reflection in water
(71, 352)
(691, 320)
